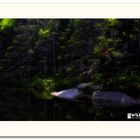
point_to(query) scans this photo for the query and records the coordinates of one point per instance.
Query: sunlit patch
(67, 94)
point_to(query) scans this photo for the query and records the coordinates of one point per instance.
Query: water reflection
(70, 110)
(60, 110)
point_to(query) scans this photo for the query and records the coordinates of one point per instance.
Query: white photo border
(69, 128)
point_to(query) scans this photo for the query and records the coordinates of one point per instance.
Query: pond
(26, 108)
(81, 111)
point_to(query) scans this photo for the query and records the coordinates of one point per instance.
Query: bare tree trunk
(54, 56)
(45, 65)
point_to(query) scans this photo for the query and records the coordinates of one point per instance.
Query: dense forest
(39, 56)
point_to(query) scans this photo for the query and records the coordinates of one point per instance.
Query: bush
(98, 78)
(6, 24)
(63, 84)
(128, 81)
(41, 88)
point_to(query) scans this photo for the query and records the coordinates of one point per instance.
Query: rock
(69, 94)
(85, 88)
(91, 85)
(97, 87)
(88, 88)
(112, 99)
(103, 98)
(84, 85)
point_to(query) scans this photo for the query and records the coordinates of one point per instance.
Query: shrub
(98, 78)
(6, 24)
(128, 81)
(63, 84)
(41, 88)
(66, 83)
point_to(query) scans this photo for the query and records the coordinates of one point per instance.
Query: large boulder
(88, 88)
(69, 94)
(112, 98)
(103, 98)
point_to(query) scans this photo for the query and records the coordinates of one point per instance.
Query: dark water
(69, 110)
(27, 108)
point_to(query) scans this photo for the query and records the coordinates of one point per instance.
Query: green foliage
(6, 24)
(66, 83)
(128, 80)
(41, 88)
(98, 78)
(62, 84)
(44, 32)
(70, 51)
(107, 59)
(112, 22)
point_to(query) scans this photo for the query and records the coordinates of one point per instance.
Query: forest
(40, 56)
